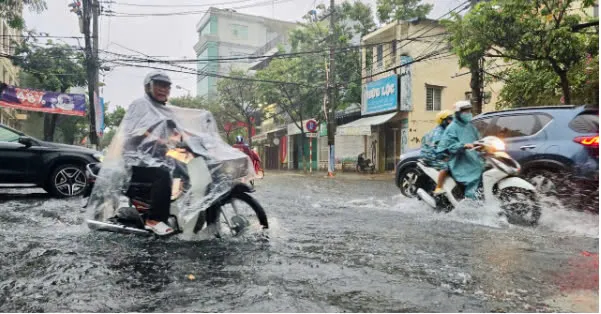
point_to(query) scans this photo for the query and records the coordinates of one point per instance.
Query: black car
(556, 146)
(57, 168)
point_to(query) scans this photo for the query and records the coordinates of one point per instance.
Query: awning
(263, 136)
(363, 126)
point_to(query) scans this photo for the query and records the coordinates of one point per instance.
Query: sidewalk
(338, 175)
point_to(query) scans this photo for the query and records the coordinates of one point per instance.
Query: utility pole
(90, 12)
(477, 81)
(331, 115)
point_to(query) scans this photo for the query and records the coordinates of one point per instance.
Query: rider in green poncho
(466, 165)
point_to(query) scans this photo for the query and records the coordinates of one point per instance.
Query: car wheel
(67, 181)
(408, 181)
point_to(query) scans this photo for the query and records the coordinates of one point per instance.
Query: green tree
(353, 20)
(401, 10)
(11, 11)
(240, 101)
(113, 119)
(536, 84)
(532, 31)
(188, 102)
(298, 101)
(54, 67)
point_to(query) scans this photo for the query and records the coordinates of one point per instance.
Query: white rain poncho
(142, 140)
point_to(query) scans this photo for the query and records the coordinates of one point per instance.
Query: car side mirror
(27, 141)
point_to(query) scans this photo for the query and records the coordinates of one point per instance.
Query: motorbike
(517, 197)
(365, 165)
(195, 183)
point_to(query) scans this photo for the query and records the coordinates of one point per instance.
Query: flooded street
(335, 246)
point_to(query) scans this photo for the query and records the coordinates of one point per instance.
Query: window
(587, 122)
(433, 98)
(483, 126)
(7, 135)
(369, 58)
(239, 31)
(380, 55)
(516, 126)
(393, 51)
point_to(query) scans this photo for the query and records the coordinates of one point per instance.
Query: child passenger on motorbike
(430, 141)
(465, 164)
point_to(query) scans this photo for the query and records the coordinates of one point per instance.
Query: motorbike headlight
(498, 145)
(98, 157)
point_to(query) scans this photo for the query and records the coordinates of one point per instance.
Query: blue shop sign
(381, 95)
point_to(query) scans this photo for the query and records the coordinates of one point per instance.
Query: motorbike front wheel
(236, 215)
(520, 206)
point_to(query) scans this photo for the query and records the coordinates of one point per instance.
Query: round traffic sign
(311, 125)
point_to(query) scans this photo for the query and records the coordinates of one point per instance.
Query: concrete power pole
(90, 12)
(477, 81)
(332, 93)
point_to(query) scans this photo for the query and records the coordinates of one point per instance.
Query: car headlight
(98, 157)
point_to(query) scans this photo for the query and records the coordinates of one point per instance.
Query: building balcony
(202, 42)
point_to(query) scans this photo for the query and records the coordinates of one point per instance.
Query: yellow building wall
(440, 71)
(8, 72)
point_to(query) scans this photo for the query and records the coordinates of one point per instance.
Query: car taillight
(589, 141)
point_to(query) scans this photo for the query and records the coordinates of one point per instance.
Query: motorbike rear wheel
(238, 222)
(520, 206)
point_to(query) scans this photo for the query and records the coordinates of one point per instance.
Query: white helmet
(156, 76)
(462, 104)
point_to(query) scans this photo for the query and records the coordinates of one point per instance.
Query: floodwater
(333, 246)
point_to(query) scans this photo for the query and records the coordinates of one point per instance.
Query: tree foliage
(241, 101)
(532, 31)
(401, 10)
(53, 67)
(536, 84)
(11, 11)
(113, 119)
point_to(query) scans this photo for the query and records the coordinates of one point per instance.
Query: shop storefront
(270, 146)
(378, 134)
(297, 145)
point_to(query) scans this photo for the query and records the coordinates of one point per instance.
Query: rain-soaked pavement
(334, 246)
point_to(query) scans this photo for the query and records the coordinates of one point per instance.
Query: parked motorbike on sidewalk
(365, 165)
(517, 197)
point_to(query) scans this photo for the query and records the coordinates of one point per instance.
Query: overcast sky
(170, 36)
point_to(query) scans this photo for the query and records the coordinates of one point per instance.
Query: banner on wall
(43, 101)
(99, 114)
(406, 103)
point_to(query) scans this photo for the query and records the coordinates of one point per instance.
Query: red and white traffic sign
(311, 126)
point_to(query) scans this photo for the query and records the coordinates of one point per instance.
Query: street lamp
(181, 87)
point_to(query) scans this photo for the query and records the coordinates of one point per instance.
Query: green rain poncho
(466, 166)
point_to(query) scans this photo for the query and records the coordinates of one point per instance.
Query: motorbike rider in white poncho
(138, 153)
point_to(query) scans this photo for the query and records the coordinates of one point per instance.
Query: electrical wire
(173, 5)
(124, 14)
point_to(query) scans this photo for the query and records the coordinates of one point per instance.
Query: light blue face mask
(467, 117)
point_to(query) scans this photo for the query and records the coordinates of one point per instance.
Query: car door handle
(527, 147)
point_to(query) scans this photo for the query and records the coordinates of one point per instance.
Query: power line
(173, 5)
(424, 31)
(216, 75)
(124, 14)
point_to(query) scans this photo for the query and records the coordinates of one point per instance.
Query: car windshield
(7, 135)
